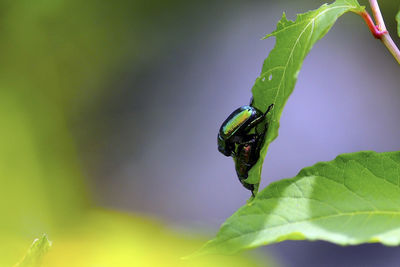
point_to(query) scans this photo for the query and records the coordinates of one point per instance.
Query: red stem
(376, 32)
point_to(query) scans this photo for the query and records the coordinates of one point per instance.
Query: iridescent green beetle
(236, 139)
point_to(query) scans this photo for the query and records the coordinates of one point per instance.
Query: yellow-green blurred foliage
(55, 58)
(113, 239)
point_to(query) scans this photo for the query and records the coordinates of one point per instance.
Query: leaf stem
(376, 32)
(379, 30)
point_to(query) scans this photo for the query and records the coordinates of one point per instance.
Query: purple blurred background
(150, 144)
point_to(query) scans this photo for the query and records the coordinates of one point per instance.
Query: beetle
(247, 154)
(236, 139)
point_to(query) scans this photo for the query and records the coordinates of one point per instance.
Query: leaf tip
(282, 22)
(199, 252)
(35, 253)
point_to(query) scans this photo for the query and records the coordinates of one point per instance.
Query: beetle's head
(224, 147)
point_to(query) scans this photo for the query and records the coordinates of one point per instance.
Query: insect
(238, 138)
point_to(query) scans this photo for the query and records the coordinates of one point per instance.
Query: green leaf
(398, 23)
(351, 200)
(294, 39)
(35, 253)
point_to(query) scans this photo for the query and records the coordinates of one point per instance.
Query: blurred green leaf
(55, 67)
(398, 23)
(351, 200)
(294, 39)
(36, 252)
(57, 58)
(109, 238)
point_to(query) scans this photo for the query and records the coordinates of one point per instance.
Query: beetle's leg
(248, 186)
(259, 119)
(245, 139)
(268, 109)
(248, 139)
(254, 123)
(265, 114)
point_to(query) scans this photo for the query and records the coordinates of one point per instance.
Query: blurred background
(109, 113)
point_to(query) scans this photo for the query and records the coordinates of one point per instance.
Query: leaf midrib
(297, 40)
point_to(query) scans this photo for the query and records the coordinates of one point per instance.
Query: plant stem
(380, 23)
(380, 27)
(376, 32)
